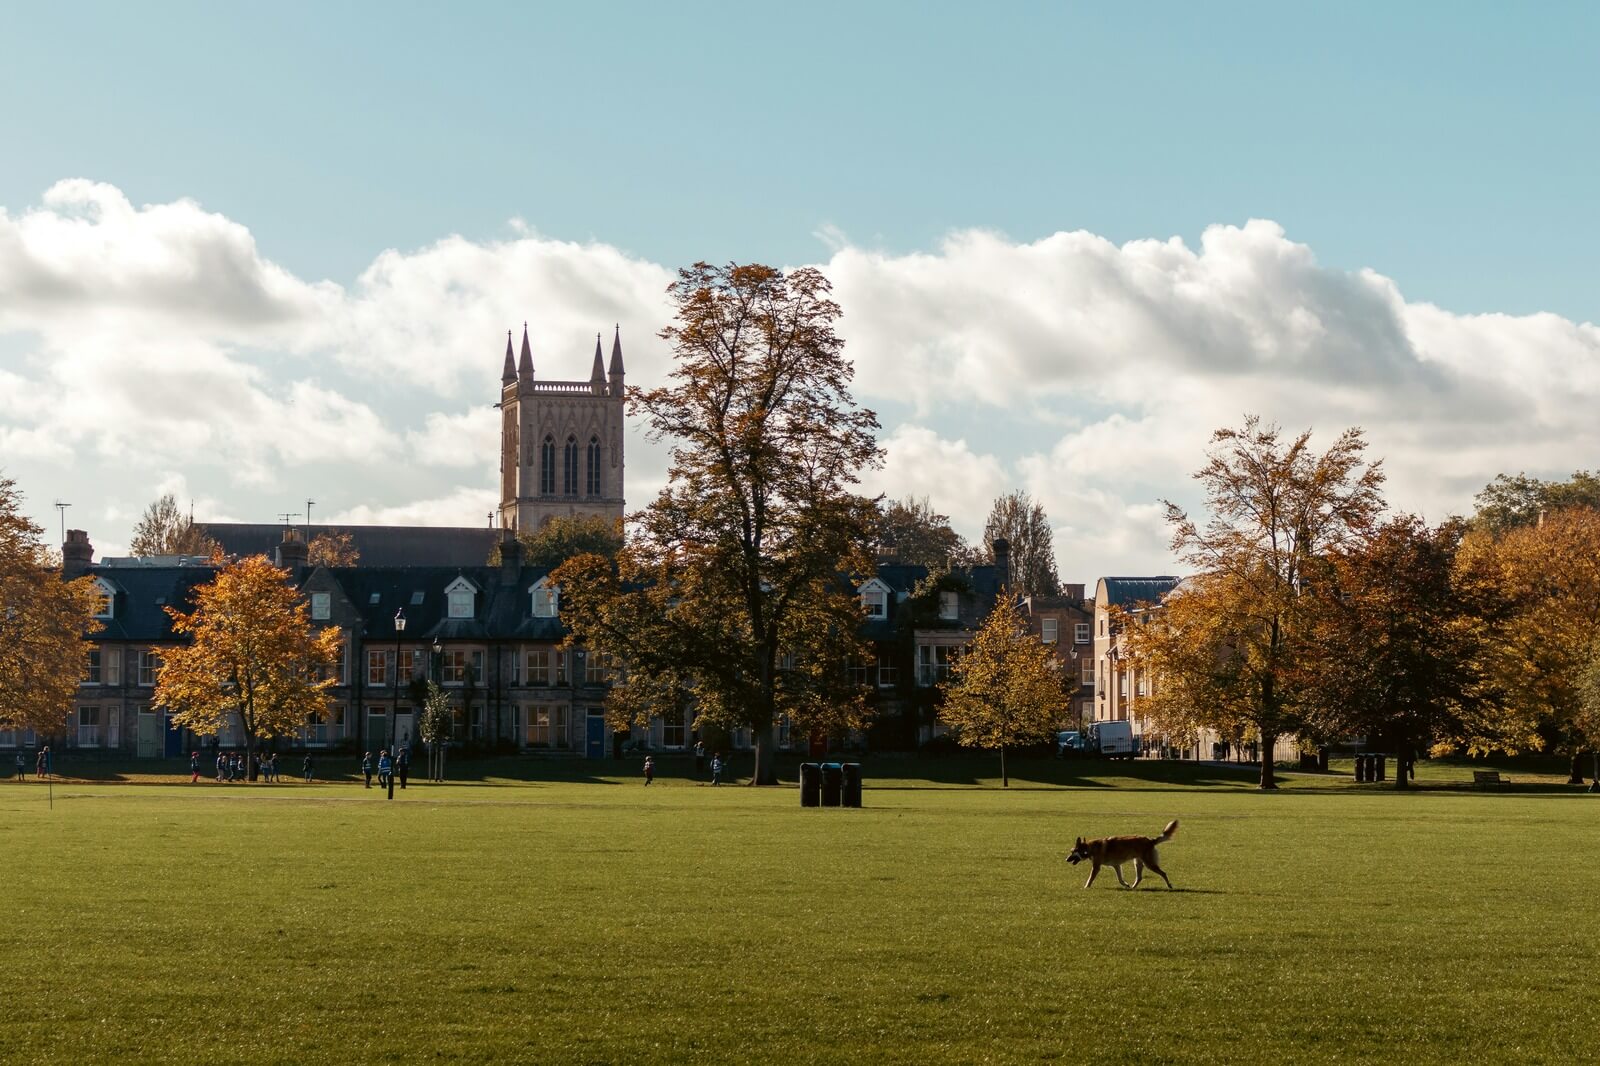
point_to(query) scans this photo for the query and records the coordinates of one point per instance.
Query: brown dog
(1114, 851)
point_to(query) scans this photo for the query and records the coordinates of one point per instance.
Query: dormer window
(321, 606)
(949, 606)
(460, 596)
(546, 599)
(105, 598)
(875, 599)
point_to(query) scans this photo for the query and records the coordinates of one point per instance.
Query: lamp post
(435, 666)
(399, 630)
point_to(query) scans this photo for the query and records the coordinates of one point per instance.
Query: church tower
(560, 441)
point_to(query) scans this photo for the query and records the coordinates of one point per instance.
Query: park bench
(1489, 779)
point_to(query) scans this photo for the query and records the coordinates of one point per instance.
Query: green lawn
(587, 919)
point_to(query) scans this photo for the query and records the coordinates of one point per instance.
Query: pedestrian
(716, 768)
(402, 764)
(366, 768)
(222, 765)
(42, 764)
(272, 761)
(309, 769)
(699, 759)
(22, 766)
(194, 767)
(649, 770)
(385, 768)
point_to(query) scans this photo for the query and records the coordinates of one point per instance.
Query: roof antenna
(308, 512)
(491, 519)
(62, 507)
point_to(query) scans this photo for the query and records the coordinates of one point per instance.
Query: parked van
(1113, 740)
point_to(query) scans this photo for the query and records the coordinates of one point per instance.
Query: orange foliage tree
(252, 657)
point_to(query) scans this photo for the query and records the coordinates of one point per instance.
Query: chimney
(1002, 559)
(293, 555)
(510, 557)
(77, 554)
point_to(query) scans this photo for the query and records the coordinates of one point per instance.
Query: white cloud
(463, 507)
(146, 339)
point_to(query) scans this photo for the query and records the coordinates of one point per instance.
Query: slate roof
(500, 611)
(141, 593)
(1122, 591)
(467, 546)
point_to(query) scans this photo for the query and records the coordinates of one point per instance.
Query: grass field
(589, 920)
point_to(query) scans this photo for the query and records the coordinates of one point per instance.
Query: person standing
(385, 768)
(649, 770)
(402, 764)
(366, 768)
(222, 766)
(194, 767)
(22, 766)
(699, 759)
(716, 768)
(308, 767)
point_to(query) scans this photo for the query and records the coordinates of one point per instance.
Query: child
(366, 768)
(385, 768)
(307, 767)
(716, 768)
(194, 767)
(649, 770)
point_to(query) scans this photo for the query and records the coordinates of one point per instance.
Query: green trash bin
(852, 784)
(810, 784)
(832, 784)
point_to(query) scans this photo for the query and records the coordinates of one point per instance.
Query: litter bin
(1361, 769)
(852, 784)
(1381, 767)
(810, 785)
(832, 783)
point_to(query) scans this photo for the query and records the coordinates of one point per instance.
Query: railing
(564, 386)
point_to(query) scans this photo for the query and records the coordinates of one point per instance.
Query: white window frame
(149, 666)
(105, 599)
(93, 670)
(1080, 633)
(461, 598)
(538, 660)
(544, 599)
(949, 605)
(88, 727)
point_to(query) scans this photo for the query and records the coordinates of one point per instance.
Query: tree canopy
(334, 548)
(735, 593)
(165, 530)
(252, 656)
(1007, 688)
(912, 532)
(1021, 520)
(1511, 501)
(1231, 645)
(43, 621)
(565, 537)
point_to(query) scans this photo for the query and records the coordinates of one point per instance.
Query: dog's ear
(1080, 842)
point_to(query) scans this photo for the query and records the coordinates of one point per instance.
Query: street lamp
(435, 667)
(399, 630)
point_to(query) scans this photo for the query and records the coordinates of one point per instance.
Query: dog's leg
(1120, 881)
(1138, 873)
(1159, 870)
(1094, 872)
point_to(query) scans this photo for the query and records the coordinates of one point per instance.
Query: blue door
(174, 738)
(596, 746)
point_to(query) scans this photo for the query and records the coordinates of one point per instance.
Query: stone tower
(560, 441)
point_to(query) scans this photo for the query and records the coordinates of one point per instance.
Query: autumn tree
(438, 719)
(165, 530)
(43, 622)
(565, 537)
(1396, 645)
(1020, 520)
(917, 535)
(252, 657)
(1232, 642)
(1588, 717)
(333, 548)
(1511, 501)
(1006, 689)
(1546, 576)
(741, 567)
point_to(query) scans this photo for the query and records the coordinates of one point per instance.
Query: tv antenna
(288, 517)
(62, 507)
(308, 512)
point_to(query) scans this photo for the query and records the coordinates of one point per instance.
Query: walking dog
(1114, 851)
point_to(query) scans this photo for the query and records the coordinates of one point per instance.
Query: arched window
(547, 466)
(592, 485)
(569, 468)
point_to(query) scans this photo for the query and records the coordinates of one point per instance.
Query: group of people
(232, 766)
(718, 765)
(399, 766)
(41, 763)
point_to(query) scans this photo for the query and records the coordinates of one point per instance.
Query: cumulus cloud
(463, 507)
(143, 339)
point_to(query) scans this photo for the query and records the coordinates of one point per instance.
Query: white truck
(1113, 740)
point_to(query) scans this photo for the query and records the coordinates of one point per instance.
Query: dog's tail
(1166, 834)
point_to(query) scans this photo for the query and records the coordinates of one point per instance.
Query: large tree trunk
(1269, 741)
(766, 770)
(1005, 780)
(1576, 777)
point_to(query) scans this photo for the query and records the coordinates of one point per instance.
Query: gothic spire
(525, 363)
(597, 376)
(509, 374)
(616, 362)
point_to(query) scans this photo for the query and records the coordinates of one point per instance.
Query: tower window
(569, 468)
(592, 486)
(547, 466)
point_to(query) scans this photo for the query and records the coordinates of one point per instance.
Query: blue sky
(1428, 172)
